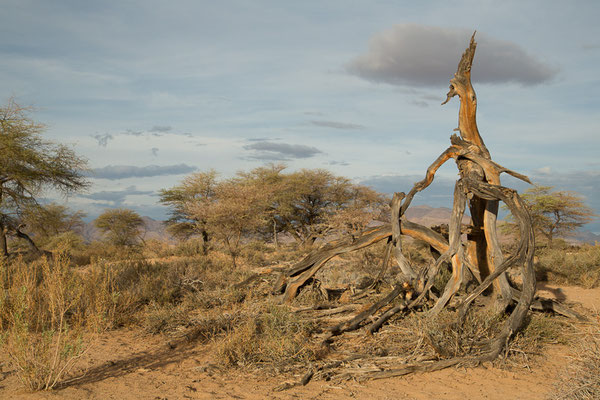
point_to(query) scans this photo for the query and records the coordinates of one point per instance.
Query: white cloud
(547, 170)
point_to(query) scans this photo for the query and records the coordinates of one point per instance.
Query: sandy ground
(128, 365)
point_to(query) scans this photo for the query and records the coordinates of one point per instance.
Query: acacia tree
(29, 165)
(46, 221)
(307, 204)
(268, 178)
(313, 203)
(199, 189)
(238, 210)
(122, 226)
(555, 213)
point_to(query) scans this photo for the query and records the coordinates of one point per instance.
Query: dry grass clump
(419, 337)
(162, 295)
(581, 378)
(540, 330)
(416, 338)
(272, 337)
(571, 265)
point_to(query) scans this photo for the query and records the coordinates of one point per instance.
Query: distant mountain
(585, 237)
(430, 216)
(424, 215)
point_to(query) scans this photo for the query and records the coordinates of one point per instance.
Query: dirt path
(127, 365)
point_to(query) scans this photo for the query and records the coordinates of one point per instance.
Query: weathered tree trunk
(3, 229)
(485, 251)
(3, 241)
(396, 241)
(32, 246)
(481, 255)
(205, 243)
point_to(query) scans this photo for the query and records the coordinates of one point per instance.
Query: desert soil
(126, 364)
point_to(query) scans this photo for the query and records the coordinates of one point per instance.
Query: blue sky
(150, 91)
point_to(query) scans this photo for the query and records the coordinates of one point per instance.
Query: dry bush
(571, 265)
(539, 331)
(257, 253)
(166, 318)
(416, 337)
(101, 251)
(155, 248)
(189, 248)
(48, 318)
(162, 296)
(581, 379)
(271, 336)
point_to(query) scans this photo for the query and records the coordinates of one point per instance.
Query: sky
(152, 91)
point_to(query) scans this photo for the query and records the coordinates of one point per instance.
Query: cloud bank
(271, 151)
(421, 56)
(115, 197)
(114, 172)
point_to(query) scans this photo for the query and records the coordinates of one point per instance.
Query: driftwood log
(479, 257)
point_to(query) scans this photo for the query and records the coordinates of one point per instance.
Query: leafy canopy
(307, 204)
(556, 213)
(30, 164)
(122, 226)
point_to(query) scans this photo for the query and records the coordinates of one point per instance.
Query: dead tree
(479, 257)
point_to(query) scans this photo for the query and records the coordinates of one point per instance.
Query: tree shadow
(150, 360)
(557, 292)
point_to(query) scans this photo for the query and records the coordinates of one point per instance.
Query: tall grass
(49, 317)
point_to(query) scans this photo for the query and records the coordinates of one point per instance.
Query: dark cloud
(115, 197)
(271, 151)
(337, 125)
(131, 132)
(103, 139)
(342, 163)
(197, 144)
(261, 139)
(161, 128)
(114, 172)
(156, 130)
(417, 55)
